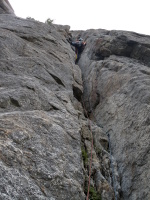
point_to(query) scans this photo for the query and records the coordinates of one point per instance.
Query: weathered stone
(115, 67)
(45, 139)
(6, 8)
(40, 143)
(102, 163)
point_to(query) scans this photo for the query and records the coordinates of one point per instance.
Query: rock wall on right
(116, 77)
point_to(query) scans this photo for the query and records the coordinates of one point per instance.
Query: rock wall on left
(40, 151)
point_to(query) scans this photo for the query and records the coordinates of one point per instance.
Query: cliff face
(116, 76)
(40, 153)
(45, 141)
(45, 137)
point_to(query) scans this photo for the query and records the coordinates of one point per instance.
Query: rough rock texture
(45, 137)
(42, 125)
(40, 153)
(116, 77)
(6, 8)
(101, 170)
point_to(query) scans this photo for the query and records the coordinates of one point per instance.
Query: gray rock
(44, 135)
(115, 67)
(6, 8)
(40, 143)
(42, 117)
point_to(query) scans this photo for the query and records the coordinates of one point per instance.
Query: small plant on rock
(84, 156)
(94, 195)
(49, 21)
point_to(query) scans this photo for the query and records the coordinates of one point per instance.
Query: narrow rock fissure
(99, 152)
(15, 102)
(109, 172)
(77, 93)
(57, 79)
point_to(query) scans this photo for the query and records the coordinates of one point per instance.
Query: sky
(129, 15)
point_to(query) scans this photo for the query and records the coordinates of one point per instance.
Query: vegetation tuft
(93, 194)
(49, 21)
(84, 156)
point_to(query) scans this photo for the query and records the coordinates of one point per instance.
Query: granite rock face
(40, 151)
(116, 76)
(44, 135)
